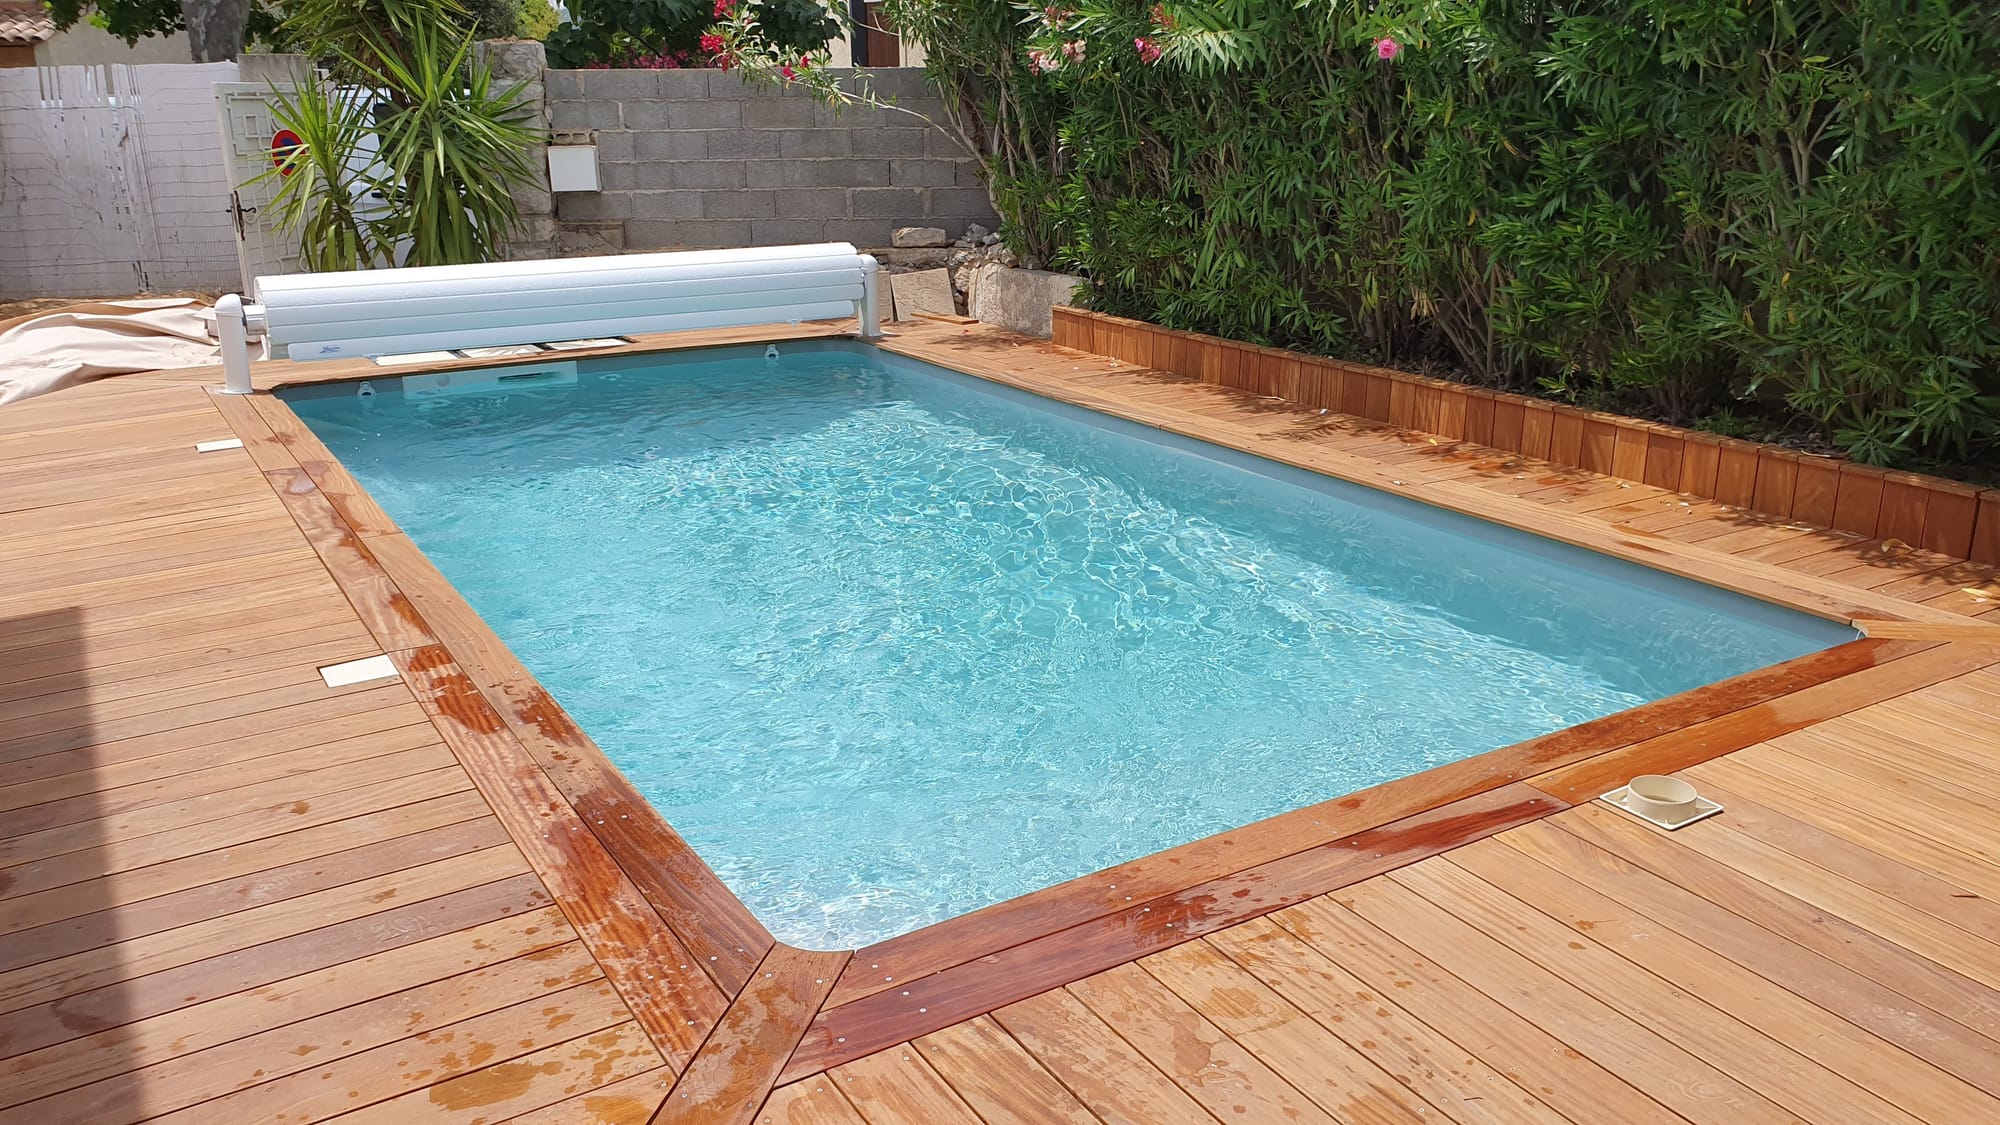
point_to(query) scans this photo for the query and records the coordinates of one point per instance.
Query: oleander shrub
(1784, 210)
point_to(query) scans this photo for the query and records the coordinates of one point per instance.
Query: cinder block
(788, 231)
(706, 114)
(583, 115)
(967, 203)
(923, 173)
(795, 144)
(702, 173)
(774, 112)
(621, 85)
(888, 203)
(675, 146)
(739, 204)
(634, 175)
(649, 113)
(864, 233)
(741, 144)
(665, 205)
(819, 173)
(939, 143)
(889, 142)
(813, 203)
(617, 144)
(563, 84)
(684, 85)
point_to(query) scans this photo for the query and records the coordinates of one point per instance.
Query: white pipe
(230, 329)
(868, 310)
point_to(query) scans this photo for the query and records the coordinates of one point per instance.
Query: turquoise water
(888, 644)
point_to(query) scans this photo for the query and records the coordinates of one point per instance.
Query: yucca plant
(449, 147)
(321, 185)
(453, 146)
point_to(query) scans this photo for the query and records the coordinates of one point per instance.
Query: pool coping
(835, 1006)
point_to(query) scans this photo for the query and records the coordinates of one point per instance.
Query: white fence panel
(111, 181)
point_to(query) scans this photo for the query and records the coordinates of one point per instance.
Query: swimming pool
(887, 643)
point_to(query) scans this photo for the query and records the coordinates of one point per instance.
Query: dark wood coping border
(643, 899)
(1935, 514)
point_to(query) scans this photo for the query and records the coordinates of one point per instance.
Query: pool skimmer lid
(1666, 801)
(358, 671)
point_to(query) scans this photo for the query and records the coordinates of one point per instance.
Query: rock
(1004, 256)
(914, 237)
(970, 278)
(974, 232)
(904, 261)
(962, 244)
(1020, 300)
(925, 291)
(990, 240)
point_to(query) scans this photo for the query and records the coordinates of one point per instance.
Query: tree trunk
(215, 28)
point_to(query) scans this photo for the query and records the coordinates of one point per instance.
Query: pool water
(888, 644)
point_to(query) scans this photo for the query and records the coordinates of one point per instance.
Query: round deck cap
(1660, 795)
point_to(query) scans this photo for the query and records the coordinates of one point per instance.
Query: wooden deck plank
(628, 1101)
(1918, 978)
(893, 1087)
(1661, 1067)
(145, 1041)
(80, 1014)
(733, 1072)
(1884, 1071)
(1444, 1074)
(48, 981)
(1227, 1079)
(815, 1101)
(1111, 1078)
(113, 924)
(424, 1060)
(553, 1074)
(240, 1065)
(1002, 1083)
(1336, 1074)
(235, 872)
(1867, 1003)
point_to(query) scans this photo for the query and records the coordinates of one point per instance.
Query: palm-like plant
(321, 184)
(450, 147)
(453, 146)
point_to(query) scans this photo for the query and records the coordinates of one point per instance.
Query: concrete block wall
(699, 158)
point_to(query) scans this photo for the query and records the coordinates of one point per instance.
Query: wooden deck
(233, 894)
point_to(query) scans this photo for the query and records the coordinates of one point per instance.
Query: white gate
(111, 181)
(248, 132)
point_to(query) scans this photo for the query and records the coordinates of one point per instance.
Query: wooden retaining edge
(1930, 513)
(660, 980)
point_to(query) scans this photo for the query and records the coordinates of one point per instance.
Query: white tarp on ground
(47, 351)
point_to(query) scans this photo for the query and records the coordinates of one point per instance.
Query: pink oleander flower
(1041, 61)
(1161, 19)
(1387, 48)
(1073, 50)
(805, 64)
(712, 44)
(724, 8)
(1149, 51)
(786, 70)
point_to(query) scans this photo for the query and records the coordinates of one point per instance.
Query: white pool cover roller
(386, 312)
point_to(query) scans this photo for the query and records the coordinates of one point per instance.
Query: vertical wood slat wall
(1939, 515)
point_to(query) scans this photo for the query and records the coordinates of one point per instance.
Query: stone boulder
(1020, 300)
(917, 237)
